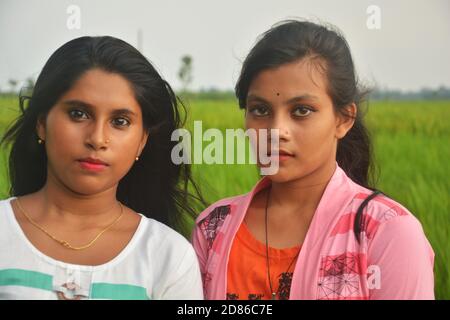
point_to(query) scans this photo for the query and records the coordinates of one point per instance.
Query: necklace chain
(274, 294)
(63, 242)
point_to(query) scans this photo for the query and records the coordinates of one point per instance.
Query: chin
(86, 188)
(86, 191)
(283, 175)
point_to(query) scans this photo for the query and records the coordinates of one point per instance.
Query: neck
(303, 194)
(60, 202)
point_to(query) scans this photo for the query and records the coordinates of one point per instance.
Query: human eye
(77, 114)
(258, 110)
(121, 122)
(302, 111)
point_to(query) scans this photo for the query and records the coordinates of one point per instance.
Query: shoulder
(378, 211)
(163, 236)
(164, 245)
(384, 215)
(381, 207)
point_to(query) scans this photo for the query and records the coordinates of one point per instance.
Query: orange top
(247, 277)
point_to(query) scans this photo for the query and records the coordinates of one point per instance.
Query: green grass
(411, 141)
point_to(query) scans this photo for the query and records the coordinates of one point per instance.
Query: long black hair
(154, 186)
(292, 40)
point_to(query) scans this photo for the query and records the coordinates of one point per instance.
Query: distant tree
(185, 72)
(440, 93)
(12, 83)
(29, 83)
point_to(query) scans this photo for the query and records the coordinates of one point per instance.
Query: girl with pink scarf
(317, 228)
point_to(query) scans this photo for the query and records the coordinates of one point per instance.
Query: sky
(409, 50)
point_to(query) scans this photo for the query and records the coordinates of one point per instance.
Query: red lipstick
(93, 164)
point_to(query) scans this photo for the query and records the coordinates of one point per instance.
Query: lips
(282, 153)
(93, 164)
(285, 153)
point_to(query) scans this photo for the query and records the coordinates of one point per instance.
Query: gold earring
(137, 158)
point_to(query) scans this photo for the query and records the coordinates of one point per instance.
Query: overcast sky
(411, 49)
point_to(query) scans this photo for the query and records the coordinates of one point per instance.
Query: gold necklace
(65, 243)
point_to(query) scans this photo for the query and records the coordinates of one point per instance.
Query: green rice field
(411, 142)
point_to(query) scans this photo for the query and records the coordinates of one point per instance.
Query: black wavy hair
(154, 186)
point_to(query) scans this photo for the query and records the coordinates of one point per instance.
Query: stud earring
(40, 141)
(137, 158)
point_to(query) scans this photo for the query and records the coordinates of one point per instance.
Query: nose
(282, 127)
(97, 136)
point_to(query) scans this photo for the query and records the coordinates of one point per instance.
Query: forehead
(305, 75)
(103, 90)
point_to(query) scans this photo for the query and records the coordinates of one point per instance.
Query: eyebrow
(303, 97)
(90, 107)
